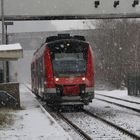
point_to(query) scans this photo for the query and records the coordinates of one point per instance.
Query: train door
(32, 76)
(40, 76)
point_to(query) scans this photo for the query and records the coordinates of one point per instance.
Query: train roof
(64, 36)
(51, 39)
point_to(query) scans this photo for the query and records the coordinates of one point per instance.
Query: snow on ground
(123, 117)
(123, 94)
(31, 123)
(95, 128)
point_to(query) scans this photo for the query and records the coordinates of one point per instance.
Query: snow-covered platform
(31, 123)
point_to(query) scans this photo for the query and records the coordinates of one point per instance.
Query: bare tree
(118, 50)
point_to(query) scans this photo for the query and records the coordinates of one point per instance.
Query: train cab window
(63, 56)
(69, 64)
(69, 58)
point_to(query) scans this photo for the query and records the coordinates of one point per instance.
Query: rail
(132, 135)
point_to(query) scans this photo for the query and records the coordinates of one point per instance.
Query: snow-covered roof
(11, 51)
(10, 47)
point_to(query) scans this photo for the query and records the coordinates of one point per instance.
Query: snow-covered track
(56, 114)
(75, 127)
(124, 131)
(118, 98)
(121, 105)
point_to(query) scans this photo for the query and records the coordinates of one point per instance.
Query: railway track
(121, 105)
(75, 127)
(80, 132)
(118, 98)
(85, 135)
(124, 131)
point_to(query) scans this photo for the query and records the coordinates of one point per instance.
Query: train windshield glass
(69, 57)
(69, 64)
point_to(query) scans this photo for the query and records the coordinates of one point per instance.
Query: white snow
(123, 117)
(31, 123)
(123, 94)
(94, 128)
(10, 47)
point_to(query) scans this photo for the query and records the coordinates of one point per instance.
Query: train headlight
(83, 91)
(56, 79)
(68, 44)
(83, 78)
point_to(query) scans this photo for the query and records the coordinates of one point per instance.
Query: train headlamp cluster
(83, 78)
(56, 79)
(68, 44)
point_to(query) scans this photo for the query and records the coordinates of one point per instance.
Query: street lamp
(6, 42)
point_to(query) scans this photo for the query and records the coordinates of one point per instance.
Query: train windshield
(69, 62)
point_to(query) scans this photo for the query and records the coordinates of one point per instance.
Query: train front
(72, 72)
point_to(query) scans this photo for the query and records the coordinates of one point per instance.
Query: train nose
(68, 90)
(73, 90)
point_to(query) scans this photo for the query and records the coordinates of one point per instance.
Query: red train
(62, 71)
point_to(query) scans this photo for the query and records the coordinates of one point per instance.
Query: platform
(30, 122)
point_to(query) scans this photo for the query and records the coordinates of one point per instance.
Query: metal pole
(6, 41)
(3, 38)
(2, 19)
(7, 63)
